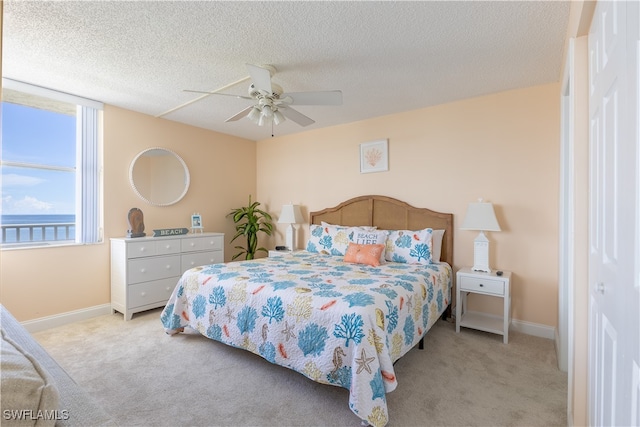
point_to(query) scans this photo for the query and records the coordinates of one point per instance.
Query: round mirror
(159, 176)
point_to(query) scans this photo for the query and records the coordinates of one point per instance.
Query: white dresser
(145, 270)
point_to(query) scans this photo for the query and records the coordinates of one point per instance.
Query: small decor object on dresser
(163, 232)
(136, 223)
(196, 223)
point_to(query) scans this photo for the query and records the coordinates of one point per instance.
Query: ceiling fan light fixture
(263, 120)
(254, 114)
(278, 117)
(267, 111)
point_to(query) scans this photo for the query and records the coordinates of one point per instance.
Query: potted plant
(249, 222)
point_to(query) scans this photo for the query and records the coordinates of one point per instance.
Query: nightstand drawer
(483, 285)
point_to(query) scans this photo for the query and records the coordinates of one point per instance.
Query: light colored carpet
(144, 377)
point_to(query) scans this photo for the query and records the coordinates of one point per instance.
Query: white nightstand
(490, 284)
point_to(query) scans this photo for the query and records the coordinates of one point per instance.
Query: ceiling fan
(271, 105)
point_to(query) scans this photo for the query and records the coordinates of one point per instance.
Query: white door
(614, 248)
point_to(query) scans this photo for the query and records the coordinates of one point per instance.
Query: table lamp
(480, 216)
(290, 214)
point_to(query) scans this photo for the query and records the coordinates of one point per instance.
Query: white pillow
(436, 236)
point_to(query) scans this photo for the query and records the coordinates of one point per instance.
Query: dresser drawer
(148, 269)
(202, 243)
(482, 285)
(151, 292)
(168, 246)
(141, 249)
(196, 259)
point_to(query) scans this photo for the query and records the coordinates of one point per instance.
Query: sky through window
(41, 137)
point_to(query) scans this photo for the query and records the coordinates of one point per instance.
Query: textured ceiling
(386, 57)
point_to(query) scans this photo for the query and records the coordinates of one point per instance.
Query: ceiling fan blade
(216, 93)
(296, 116)
(240, 115)
(330, 97)
(261, 77)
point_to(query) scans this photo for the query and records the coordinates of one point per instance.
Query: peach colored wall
(41, 282)
(502, 147)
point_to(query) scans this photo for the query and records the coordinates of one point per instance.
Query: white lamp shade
(480, 216)
(290, 214)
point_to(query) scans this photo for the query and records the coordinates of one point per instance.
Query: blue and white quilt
(337, 323)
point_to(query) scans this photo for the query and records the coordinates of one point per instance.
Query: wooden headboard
(388, 213)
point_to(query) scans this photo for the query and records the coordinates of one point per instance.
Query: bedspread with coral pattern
(337, 323)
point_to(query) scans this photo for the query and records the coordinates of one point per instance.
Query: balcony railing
(37, 233)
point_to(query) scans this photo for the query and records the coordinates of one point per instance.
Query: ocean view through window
(50, 166)
(38, 228)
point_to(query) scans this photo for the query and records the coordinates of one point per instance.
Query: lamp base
(481, 253)
(290, 238)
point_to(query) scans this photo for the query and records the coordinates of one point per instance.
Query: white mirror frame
(187, 178)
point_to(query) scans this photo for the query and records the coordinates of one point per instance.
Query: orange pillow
(364, 254)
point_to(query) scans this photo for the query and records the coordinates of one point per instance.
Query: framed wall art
(374, 156)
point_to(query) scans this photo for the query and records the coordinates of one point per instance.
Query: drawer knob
(142, 270)
(168, 267)
(481, 285)
(192, 244)
(142, 249)
(143, 294)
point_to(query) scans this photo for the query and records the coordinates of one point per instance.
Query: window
(50, 166)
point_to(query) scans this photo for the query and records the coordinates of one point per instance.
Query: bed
(336, 322)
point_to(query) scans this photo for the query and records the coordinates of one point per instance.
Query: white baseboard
(535, 329)
(529, 328)
(61, 319)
